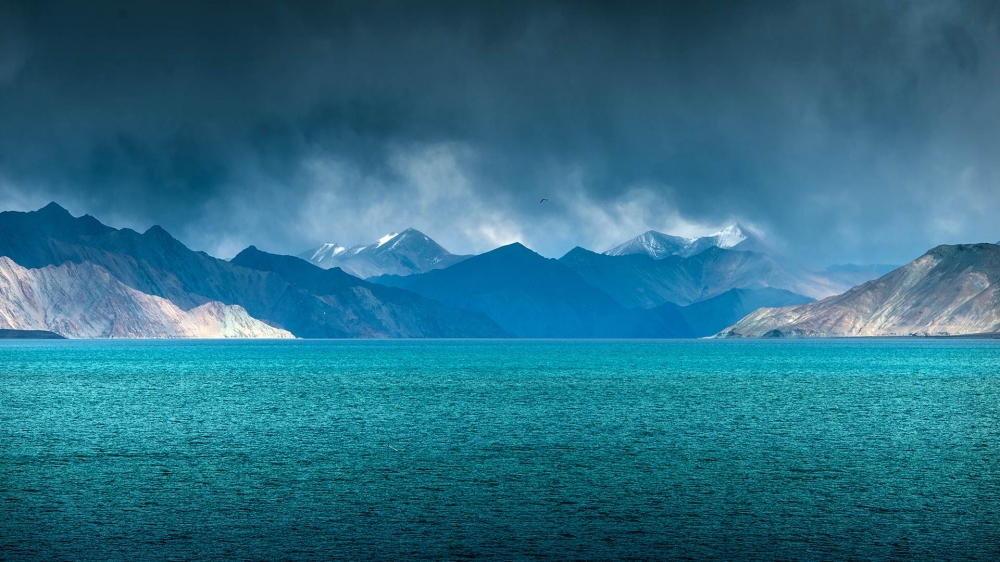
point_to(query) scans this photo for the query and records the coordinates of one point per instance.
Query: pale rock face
(951, 290)
(86, 301)
(217, 320)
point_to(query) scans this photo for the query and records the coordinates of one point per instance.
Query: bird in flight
(544, 199)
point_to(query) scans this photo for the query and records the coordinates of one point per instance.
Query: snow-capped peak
(398, 253)
(385, 239)
(730, 236)
(654, 244)
(658, 245)
(328, 249)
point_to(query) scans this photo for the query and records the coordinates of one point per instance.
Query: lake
(816, 449)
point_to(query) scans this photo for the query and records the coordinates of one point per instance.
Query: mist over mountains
(658, 245)
(828, 124)
(76, 277)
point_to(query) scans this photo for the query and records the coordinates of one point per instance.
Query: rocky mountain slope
(950, 290)
(85, 301)
(405, 253)
(156, 264)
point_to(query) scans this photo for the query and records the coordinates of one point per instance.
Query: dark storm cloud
(847, 130)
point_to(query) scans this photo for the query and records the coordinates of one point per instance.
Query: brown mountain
(950, 290)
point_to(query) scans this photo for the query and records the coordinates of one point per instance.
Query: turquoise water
(880, 449)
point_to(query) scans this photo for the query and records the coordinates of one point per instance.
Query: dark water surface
(877, 449)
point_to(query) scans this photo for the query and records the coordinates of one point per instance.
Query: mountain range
(637, 280)
(535, 297)
(368, 308)
(657, 245)
(77, 277)
(138, 272)
(404, 253)
(950, 290)
(655, 268)
(532, 296)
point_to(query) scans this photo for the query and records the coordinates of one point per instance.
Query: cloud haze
(847, 131)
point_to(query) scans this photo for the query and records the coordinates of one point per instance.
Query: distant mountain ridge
(637, 280)
(399, 311)
(404, 253)
(157, 265)
(658, 246)
(77, 277)
(532, 296)
(654, 268)
(950, 290)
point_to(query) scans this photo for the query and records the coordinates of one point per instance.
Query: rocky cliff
(950, 290)
(86, 301)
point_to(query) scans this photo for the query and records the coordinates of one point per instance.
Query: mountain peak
(658, 245)
(514, 250)
(157, 230)
(52, 220)
(397, 253)
(515, 247)
(731, 235)
(54, 208)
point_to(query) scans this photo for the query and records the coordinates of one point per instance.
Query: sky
(843, 131)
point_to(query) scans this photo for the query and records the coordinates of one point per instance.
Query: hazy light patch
(424, 187)
(466, 220)
(16, 197)
(227, 247)
(605, 224)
